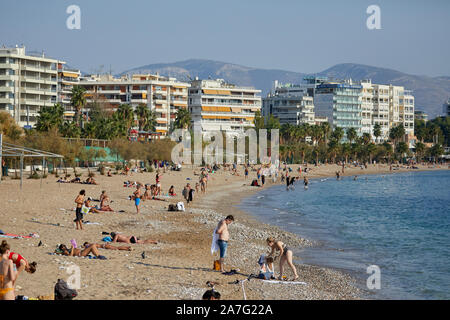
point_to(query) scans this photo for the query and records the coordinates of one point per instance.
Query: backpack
(172, 207)
(63, 292)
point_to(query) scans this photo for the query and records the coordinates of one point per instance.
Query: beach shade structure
(8, 150)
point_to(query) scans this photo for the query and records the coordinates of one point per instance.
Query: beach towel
(14, 236)
(285, 282)
(214, 245)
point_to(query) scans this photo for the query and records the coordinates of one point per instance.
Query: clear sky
(304, 36)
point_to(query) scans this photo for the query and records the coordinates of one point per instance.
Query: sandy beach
(179, 266)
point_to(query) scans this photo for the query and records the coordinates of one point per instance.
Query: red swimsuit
(19, 258)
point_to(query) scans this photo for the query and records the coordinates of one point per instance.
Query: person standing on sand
(285, 256)
(7, 273)
(137, 197)
(79, 200)
(224, 236)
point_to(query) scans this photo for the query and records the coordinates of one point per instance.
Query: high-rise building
(420, 115)
(290, 103)
(162, 95)
(216, 105)
(340, 102)
(446, 108)
(28, 82)
(67, 79)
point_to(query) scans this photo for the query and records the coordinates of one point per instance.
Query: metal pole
(1, 159)
(21, 170)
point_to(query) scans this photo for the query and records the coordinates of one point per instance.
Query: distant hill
(430, 92)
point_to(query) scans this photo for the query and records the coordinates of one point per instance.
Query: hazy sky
(304, 36)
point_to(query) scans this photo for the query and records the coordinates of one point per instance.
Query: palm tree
(371, 149)
(183, 119)
(50, 117)
(420, 150)
(142, 113)
(346, 150)
(258, 121)
(366, 138)
(78, 101)
(316, 133)
(351, 134)
(70, 130)
(338, 134)
(376, 131)
(125, 112)
(326, 129)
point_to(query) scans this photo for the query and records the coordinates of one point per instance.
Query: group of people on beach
(84, 206)
(221, 237)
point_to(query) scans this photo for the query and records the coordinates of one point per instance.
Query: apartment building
(341, 103)
(217, 105)
(28, 82)
(290, 103)
(446, 108)
(164, 96)
(67, 79)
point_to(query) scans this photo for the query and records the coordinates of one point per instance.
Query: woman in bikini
(7, 274)
(74, 252)
(285, 256)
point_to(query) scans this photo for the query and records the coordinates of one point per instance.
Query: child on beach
(79, 200)
(137, 197)
(266, 271)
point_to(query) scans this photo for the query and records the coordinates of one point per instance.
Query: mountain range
(430, 92)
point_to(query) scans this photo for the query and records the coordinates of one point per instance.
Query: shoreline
(180, 264)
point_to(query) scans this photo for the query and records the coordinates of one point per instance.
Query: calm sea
(399, 222)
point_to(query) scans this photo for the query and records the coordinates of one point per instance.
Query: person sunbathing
(104, 202)
(130, 239)
(172, 191)
(75, 252)
(92, 209)
(107, 246)
(90, 180)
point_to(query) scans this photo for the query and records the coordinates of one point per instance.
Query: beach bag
(63, 292)
(172, 207)
(216, 265)
(180, 206)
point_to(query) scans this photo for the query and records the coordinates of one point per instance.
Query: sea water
(399, 222)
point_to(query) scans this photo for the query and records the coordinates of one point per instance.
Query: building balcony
(6, 89)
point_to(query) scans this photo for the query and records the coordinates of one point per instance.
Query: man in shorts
(224, 236)
(79, 200)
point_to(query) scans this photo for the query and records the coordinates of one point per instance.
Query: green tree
(183, 119)
(377, 131)
(78, 102)
(50, 117)
(351, 134)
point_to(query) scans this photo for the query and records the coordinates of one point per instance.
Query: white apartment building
(216, 105)
(162, 95)
(67, 79)
(27, 83)
(290, 104)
